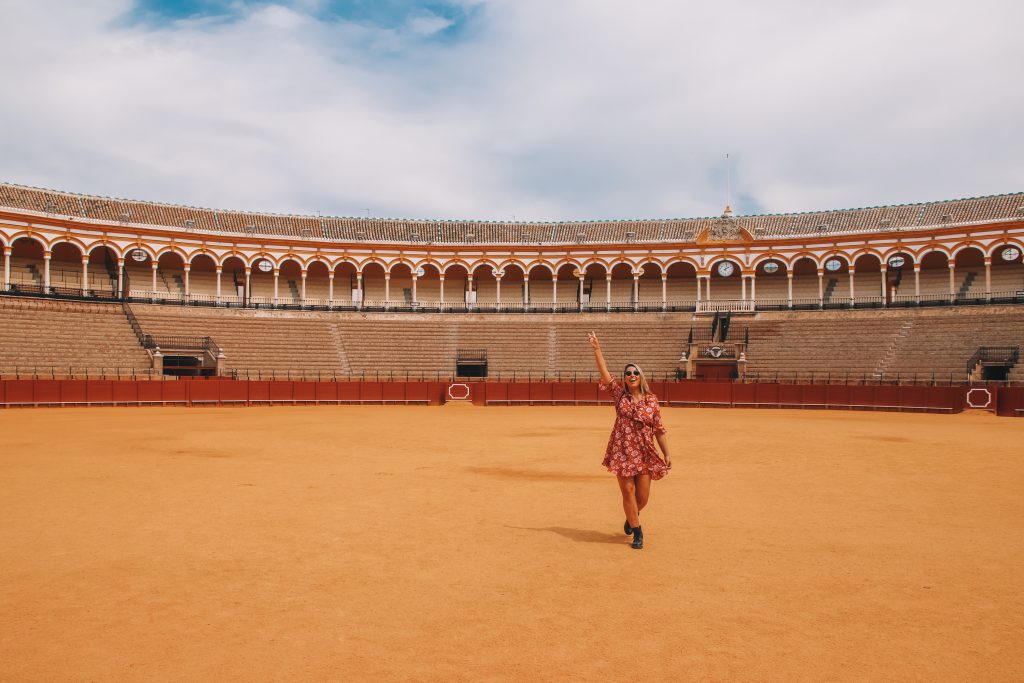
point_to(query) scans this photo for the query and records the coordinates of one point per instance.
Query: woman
(631, 455)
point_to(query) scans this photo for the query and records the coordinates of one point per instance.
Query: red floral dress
(631, 450)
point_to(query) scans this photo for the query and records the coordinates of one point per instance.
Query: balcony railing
(433, 306)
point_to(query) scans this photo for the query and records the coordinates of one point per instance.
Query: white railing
(725, 305)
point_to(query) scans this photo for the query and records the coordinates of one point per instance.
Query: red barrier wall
(726, 394)
(1006, 401)
(1010, 402)
(27, 392)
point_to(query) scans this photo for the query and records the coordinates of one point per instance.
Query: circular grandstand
(909, 293)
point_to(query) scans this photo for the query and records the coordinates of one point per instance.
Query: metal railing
(371, 305)
(72, 372)
(994, 355)
(144, 339)
(61, 372)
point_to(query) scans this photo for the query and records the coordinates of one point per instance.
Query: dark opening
(995, 372)
(185, 366)
(471, 362)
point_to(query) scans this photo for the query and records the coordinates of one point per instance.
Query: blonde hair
(645, 388)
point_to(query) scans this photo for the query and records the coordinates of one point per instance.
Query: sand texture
(485, 544)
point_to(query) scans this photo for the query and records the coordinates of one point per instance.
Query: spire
(728, 188)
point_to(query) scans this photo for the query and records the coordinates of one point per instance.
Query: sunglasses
(632, 373)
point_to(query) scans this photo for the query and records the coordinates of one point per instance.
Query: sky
(530, 110)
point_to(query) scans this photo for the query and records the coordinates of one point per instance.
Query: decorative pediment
(725, 229)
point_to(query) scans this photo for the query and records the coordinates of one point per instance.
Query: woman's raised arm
(596, 345)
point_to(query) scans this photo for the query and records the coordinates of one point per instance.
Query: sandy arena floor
(463, 543)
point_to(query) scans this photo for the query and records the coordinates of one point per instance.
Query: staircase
(552, 349)
(724, 326)
(339, 347)
(830, 288)
(293, 289)
(894, 346)
(111, 271)
(966, 286)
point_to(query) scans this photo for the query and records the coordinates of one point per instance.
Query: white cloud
(428, 24)
(575, 109)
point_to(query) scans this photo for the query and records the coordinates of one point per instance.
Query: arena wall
(70, 393)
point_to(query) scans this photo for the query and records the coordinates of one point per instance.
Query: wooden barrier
(40, 393)
(1009, 401)
(219, 392)
(729, 395)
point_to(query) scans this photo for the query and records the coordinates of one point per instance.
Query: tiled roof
(385, 230)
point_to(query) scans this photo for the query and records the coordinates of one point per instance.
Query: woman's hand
(594, 344)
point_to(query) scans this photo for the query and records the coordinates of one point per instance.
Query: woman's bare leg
(643, 491)
(628, 488)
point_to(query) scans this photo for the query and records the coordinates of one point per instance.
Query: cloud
(493, 108)
(428, 24)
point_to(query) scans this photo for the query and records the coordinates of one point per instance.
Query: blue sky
(538, 109)
(386, 14)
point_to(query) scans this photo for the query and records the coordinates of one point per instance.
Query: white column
(743, 287)
(497, 280)
(917, 282)
(952, 278)
(579, 298)
(85, 274)
(154, 265)
(988, 278)
(700, 287)
(789, 287)
(277, 272)
(120, 276)
(441, 276)
(851, 286)
(608, 289)
(753, 287)
(469, 288)
(664, 290)
(707, 287)
(359, 286)
(387, 288)
(7, 267)
(46, 270)
(302, 290)
(526, 290)
(554, 289)
(884, 284)
(188, 267)
(220, 269)
(821, 287)
(636, 289)
(415, 279)
(248, 284)
(330, 288)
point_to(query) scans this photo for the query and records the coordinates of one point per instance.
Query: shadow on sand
(578, 535)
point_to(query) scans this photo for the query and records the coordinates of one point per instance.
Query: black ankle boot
(638, 538)
(627, 528)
